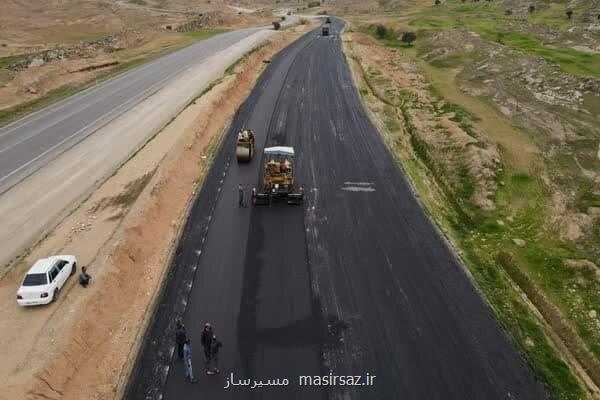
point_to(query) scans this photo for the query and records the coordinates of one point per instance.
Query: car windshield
(35, 280)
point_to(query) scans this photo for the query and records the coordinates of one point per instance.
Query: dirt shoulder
(82, 346)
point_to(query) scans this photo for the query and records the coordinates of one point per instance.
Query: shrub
(409, 37)
(381, 31)
(569, 13)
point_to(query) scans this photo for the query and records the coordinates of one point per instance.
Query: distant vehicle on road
(328, 20)
(244, 149)
(325, 30)
(45, 279)
(278, 178)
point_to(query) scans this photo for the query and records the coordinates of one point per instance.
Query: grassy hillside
(494, 112)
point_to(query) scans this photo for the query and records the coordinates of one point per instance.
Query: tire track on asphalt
(152, 368)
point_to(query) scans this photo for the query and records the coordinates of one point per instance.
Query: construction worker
(187, 358)
(214, 356)
(206, 339)
(180, 338)
(84, 277)
(241, 195)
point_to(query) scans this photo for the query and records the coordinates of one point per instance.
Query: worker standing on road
(187, 358)
(180, 338)
(214, 356)
(206, 340)
(241, 195)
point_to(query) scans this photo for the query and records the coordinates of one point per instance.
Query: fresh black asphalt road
(31, 142)
(356, 281)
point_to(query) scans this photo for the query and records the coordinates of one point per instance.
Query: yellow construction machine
(278, 178)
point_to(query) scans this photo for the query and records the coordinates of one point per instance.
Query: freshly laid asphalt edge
(357, 281)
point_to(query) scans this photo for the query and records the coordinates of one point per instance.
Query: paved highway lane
(29, 143)
(356, 281)
(53, 159)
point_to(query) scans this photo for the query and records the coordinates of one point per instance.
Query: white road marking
(358, 187)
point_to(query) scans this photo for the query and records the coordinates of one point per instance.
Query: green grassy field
(487, 19)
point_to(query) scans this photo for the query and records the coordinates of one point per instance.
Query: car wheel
(55, 295)
(74, 269)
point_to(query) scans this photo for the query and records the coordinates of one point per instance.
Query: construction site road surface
(356, 282)
(55, 157)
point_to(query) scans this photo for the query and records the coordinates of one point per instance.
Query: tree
(508, 12)
(437, 2)
(569, 13)
(531, 9)
(409, 37)
(381, 31)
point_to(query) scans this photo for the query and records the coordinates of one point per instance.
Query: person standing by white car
(45, 279)
(84, 277)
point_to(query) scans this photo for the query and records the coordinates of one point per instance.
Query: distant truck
(278, 178)
(244, 149)
(325, 30)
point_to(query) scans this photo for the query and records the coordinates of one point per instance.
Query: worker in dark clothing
(241, 195)
(84, 277)
(214, 356)
(180, 338)
(206, 340)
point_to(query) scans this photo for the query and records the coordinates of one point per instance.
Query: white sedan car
(45, 279)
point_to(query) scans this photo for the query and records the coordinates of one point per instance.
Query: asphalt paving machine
(278, 178)
(244, 148)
